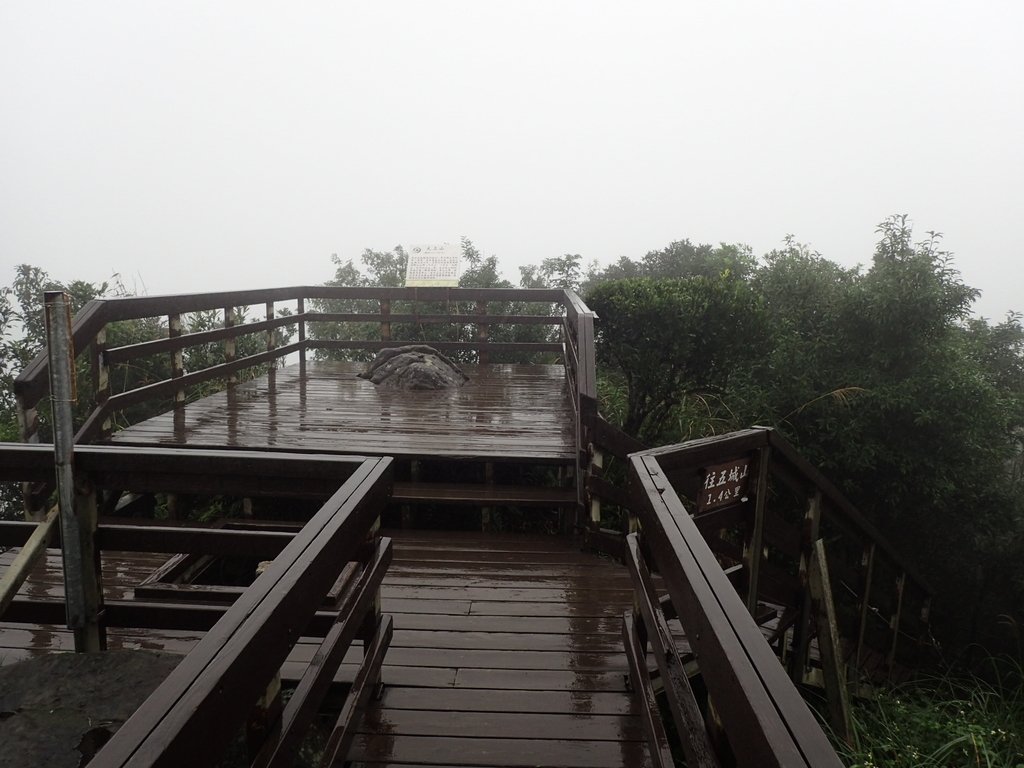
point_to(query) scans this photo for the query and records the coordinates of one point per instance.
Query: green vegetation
(23, 336)
(880, 377)
(941, 722)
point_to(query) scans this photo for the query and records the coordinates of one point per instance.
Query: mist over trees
(878, 374)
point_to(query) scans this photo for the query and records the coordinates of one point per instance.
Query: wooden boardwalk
(507, 652)
(504, 412)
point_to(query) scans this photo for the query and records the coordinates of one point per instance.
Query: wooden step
(483, 495)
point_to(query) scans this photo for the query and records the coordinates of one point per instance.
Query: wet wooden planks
(505, 412)
(506, 652)
(528, 629)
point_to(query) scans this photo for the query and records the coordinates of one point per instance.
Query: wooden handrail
(691, 551)
(702, 451)
(765, 720)
(203, 702)
(199, 708)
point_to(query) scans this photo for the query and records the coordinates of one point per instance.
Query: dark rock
(416, 366)
(59, 709)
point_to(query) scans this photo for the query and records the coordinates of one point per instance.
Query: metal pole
(80, 583)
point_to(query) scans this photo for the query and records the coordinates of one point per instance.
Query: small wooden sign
(724, 484)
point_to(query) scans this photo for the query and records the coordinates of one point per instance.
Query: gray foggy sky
(211, 145)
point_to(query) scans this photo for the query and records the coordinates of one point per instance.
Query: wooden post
(270, 331)
(925, 634)
(177, 359)
(385, 319)
(414, 477)
(828, 644)
(91, 636)
(28, 421)
(482, 332)
(894, 622)
(271, 345)
(230, 344)
(174, 331)
(265, 717)
(868, 564)
(366, 557)
(16, 573)
(28, 425)
(596, 462)
(76, 501)
(753, 544)
(486, 512)
(300, 309)
(101, 379)
(804, 624)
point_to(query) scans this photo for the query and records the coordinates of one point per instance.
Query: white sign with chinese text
(433, 266)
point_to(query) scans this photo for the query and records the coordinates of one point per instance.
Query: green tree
(672, 338)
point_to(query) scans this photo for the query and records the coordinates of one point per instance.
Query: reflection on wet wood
(506, 652)
(504, 412)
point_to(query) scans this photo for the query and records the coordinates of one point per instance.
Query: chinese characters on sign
(433, 266)
(724, 484)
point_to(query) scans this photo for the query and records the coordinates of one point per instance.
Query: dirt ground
(57, 710)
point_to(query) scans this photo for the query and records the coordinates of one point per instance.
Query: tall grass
(949, 721)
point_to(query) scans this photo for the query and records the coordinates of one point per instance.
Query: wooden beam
(363, 686)
(804, 625)
(657, 739)
(828, 645)
(204, 700)
(753, 541)
(769, 723)
(19, 570)
(689, 722)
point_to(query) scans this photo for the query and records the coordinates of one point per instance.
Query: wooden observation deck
(441, 648)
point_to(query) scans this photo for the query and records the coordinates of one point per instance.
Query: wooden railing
(761, 556)
(228, 684)
(298, 321)
(370, 323)
(607, 495)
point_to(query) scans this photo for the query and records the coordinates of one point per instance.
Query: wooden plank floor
(504, 412)
(523, 635)
(506, 652)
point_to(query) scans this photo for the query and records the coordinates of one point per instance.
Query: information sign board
(433, 266)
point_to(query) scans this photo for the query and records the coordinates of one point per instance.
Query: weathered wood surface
(503, 412)
(506, 651)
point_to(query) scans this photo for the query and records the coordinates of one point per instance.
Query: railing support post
(894, 622)
(753, 544)
(596, 463)
(101, 379)
(270, 331)
(300, 309)
(868, 564)
(385, 319)
(77, 502)
(230, 344)
(829, 646)
(272, 371)
(28, 426)
(804, 623)
(174, 331)
(482, 333)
